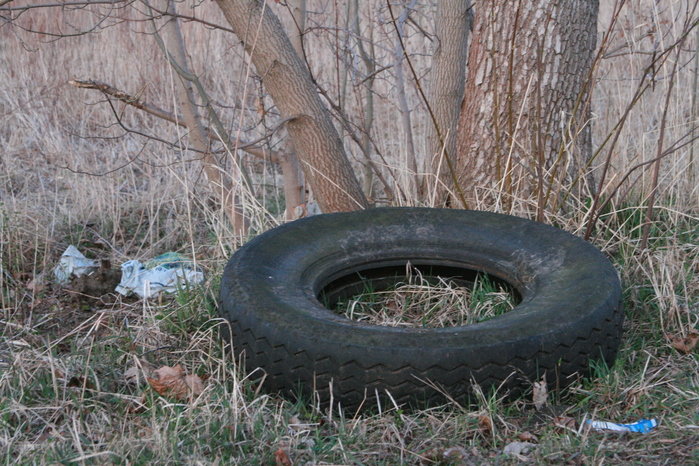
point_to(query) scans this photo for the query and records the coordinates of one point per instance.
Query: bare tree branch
(192, 19)
(251, 147)
(58, 5)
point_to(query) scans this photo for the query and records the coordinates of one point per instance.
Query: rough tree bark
(287, 80)
(524, 122)
(448, 77)
(294, 189)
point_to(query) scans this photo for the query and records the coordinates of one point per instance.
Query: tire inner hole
(414, 295)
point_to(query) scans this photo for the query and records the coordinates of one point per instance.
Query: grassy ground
(67, 395)
(72, 363)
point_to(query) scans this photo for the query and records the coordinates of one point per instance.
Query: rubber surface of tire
(569, 311)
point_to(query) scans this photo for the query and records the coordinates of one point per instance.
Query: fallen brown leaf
(45, 435)
(132, 376)
(173, 383)
(528, 437)
(485, 424)
(451, 455)
(455, 455)
(281, 458)
(685, 345)
(138, 372)
(564, 423)
(80, 382)
(37, 284)
(540, 393)
(136, 406)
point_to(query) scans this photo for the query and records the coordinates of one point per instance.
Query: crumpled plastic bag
(162, 274)
(73, 264)
(642, 426)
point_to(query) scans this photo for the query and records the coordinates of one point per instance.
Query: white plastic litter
(163, 274)
(643, 426)
(73, 264)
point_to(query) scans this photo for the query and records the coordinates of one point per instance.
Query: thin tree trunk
(298, 14)
(524, 122)
(695, 108)
(412, 174)
(448, 77)
(174, 47)
(368, 58)
(286, 78)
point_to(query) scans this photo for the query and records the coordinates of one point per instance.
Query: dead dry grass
(428, 302)
(70, 175)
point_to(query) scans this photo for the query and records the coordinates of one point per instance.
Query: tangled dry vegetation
(82, 378)
(416, 300)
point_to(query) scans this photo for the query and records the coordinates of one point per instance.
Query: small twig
(105, 173)
(58, 5)
(192, 19)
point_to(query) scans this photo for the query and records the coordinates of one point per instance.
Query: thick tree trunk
(286, 78)
(448, 75)
(524, 124)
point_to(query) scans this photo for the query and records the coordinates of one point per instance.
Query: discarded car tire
(569, 309)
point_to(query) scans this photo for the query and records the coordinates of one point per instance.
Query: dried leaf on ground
(173, 383)
(528, 437)
(485, 424)
(281, 458)
(132, 376)
(80, 382)
(136, 406)
(451, 455)
(455, 454)
(296, 425)
(564, 423)
(138, 372)
(98, 283)
(37, 283)
(47, 434)
(685, 345)
(540, 393)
